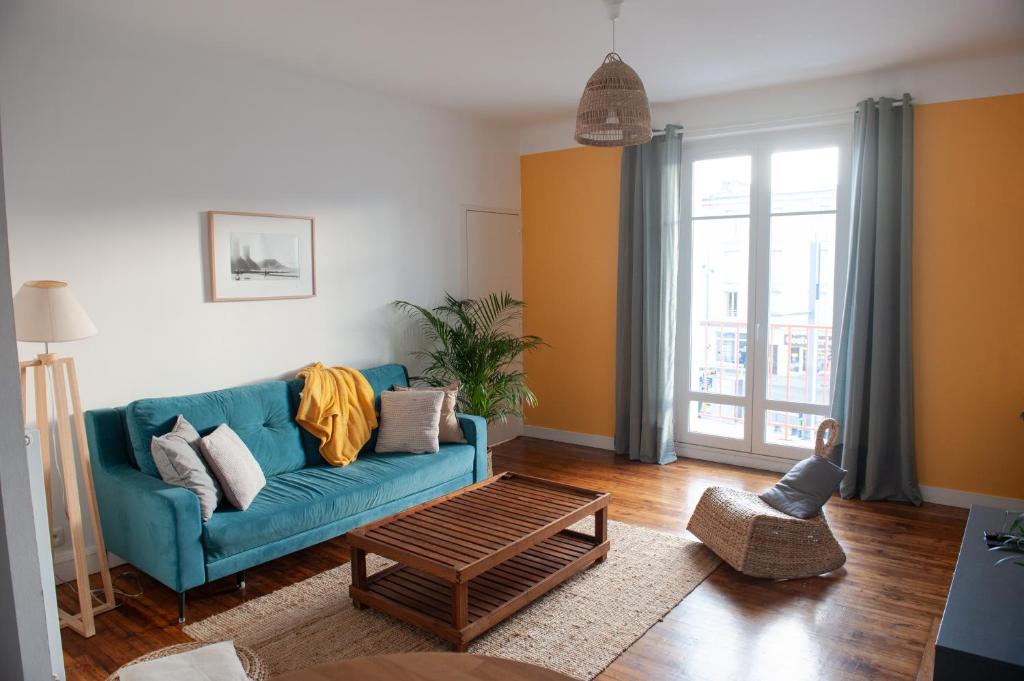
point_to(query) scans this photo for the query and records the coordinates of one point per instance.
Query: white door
(494, 247)
(763, 248)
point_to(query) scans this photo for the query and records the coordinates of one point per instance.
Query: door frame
(706, 150)
(468, 208)
(518, 425)
(753, 449)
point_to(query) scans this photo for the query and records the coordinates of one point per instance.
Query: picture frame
(261, 256)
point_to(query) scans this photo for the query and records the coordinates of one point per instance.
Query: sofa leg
(240, 579)
(181, 607)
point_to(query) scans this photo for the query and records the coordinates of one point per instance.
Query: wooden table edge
(356, 537)
(541, 482)
(363, 529)
(531, 539)
(461, 637)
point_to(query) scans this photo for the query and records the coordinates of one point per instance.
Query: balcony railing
(799, 370)
(808, 362)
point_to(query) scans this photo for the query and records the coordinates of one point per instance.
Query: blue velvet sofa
(157, 527)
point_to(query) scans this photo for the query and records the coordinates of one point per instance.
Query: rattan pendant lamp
(613, 110)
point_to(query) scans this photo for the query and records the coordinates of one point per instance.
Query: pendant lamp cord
(613, 35)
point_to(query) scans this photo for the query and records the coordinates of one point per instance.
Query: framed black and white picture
(261, 256)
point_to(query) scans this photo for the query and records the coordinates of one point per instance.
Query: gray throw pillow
(177, 458)
(237, 470)
(409, 421)
(805, 488)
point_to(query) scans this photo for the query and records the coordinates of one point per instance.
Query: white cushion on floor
(217, 661)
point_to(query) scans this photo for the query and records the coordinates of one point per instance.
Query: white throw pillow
(236, 468)
(409, 421)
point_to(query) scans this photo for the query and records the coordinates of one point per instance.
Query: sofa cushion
(261, 414)
(298, 501)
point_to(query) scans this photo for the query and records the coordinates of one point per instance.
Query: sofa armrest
(475, 430)
(154, 526)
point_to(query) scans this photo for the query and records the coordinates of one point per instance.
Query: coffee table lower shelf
(428, 601)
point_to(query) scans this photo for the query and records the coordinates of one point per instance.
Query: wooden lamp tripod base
(65, 383)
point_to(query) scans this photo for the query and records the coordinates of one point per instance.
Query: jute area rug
(578, 628)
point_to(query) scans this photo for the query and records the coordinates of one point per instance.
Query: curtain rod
(825, 118)
(661, 131)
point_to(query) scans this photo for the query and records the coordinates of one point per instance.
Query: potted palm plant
(471, 344)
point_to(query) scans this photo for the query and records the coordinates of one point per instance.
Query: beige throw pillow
(409, 421)
(240, 476)
(448, 428)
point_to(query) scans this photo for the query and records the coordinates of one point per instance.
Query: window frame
(754, 448)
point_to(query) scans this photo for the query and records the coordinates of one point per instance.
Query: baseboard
(745, 459)
(955, 497)
(64, 563)
(571, 438)
(935, 495)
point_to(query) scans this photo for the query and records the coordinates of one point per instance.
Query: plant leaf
(471, 343)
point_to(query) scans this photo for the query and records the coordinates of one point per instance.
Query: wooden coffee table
(469, 560)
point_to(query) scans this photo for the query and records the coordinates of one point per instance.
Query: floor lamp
(47, 312)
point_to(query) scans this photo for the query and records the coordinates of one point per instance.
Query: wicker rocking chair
(760, 541)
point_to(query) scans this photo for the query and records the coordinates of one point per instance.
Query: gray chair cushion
(179, 463)
(805, 488)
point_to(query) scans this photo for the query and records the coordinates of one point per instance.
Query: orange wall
(969, 294)
(968, 291)
(570, 208)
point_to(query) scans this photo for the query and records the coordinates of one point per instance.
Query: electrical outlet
(57, 536)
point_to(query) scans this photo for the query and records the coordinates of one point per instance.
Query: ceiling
(522, 60)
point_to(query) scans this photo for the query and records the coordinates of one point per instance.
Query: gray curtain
(646, 323)
(873, 393)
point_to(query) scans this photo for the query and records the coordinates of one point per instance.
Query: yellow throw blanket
(337, 408)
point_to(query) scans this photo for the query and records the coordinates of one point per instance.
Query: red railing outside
(799, 364)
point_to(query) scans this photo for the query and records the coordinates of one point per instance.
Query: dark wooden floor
(870, 620)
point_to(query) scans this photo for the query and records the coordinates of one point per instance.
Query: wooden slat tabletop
(467, 532)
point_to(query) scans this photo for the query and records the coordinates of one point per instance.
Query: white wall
(115, 145)
(819, 101)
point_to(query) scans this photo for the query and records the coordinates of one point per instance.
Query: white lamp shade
(47, 312)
